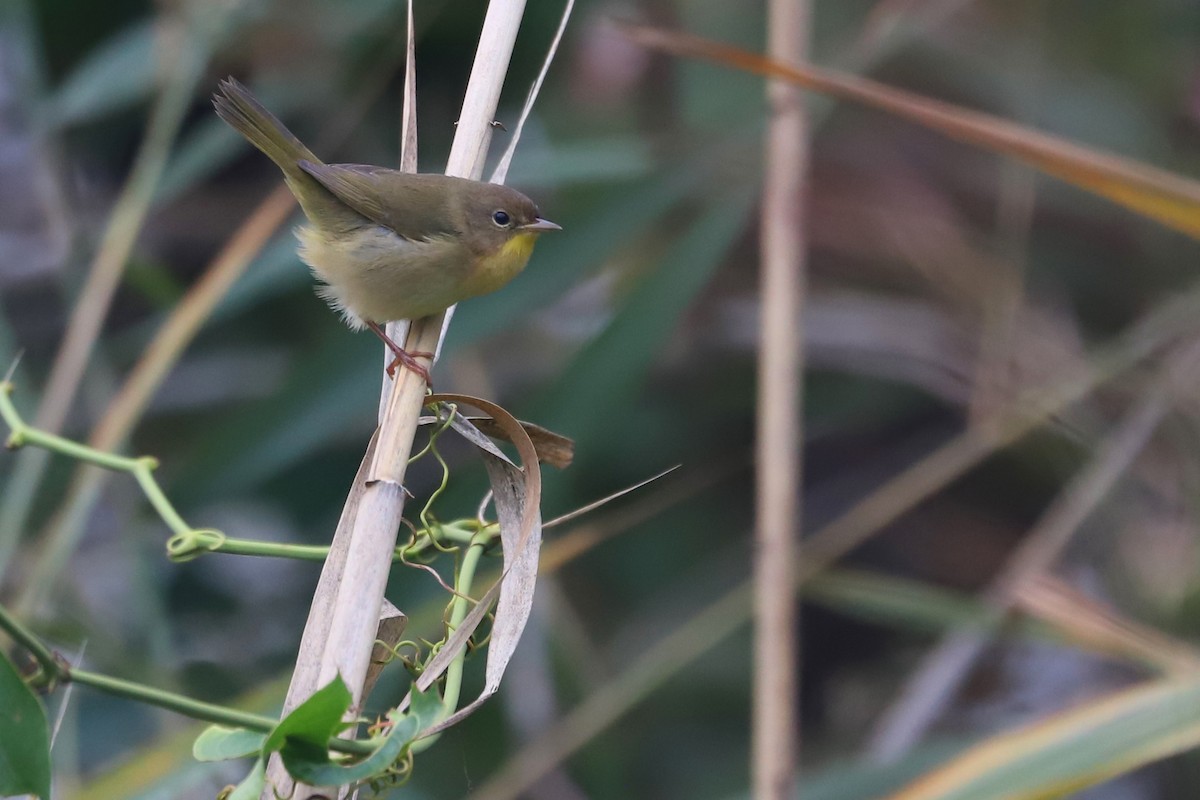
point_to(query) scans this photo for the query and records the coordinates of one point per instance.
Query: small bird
(386, 244)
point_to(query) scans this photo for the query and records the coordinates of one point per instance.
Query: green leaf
(861, 779)
(24, 737)
(252, 785)
(315, 721)
(312, 766)
(309, 766)
(900, 603)
(218, 743)
(426, 706)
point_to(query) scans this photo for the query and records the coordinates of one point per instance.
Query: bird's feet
(409, 361)
(403, 357)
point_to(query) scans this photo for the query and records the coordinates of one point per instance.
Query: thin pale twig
(500, 174)
(603, 501)
(397, 330)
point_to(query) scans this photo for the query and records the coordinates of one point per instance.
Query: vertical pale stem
(470, 147)
(780, 433)
(340, 632)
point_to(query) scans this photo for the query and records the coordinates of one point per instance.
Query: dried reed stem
(342, 623)
(780, 432)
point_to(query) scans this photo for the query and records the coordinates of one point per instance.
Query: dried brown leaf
(516, 492)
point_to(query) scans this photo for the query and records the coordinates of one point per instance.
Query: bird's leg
(404, 357)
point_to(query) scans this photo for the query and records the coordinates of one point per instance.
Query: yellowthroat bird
(386, 244)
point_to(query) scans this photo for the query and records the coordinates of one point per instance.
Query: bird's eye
(501, 218)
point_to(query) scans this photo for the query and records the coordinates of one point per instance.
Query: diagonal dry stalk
(1096, 627)
(61, 535)
(935, 682)
(66, 527)
(709, 626)
(341, 628)
(182, 60)
(1167, 197)
(780, 432)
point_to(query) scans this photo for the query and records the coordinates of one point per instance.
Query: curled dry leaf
(517, 495)
(552, 448)
(516, 434)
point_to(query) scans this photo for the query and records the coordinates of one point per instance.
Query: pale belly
(374, 275)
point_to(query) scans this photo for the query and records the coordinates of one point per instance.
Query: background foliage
(944, 281)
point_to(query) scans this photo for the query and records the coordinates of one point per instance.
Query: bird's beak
(540, 225)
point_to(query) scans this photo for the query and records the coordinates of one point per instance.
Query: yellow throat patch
(497, 269)
(518, 248)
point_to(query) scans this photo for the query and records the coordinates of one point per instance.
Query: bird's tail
(247, 116)
(237, 106)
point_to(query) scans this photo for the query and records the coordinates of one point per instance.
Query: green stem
(458, 612)
(22, 434)
(462, 604)
(25, 637)
(193, 543)
(196, 709)
(142, 468)
(56, 669)
(189, 542)
(249, 547)
(154, 493)
(462, 531)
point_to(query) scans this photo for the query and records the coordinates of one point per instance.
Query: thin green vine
(428, 521)
(141, 468)
(53, 669)
(475, 535)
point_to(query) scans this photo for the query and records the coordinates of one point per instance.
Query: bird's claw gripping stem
(403, 357)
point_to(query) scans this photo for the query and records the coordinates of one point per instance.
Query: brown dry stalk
(1167, 197)
(780, 432)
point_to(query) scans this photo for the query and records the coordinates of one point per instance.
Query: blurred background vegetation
(944, 281)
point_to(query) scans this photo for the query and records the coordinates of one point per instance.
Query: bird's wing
(411, 205)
